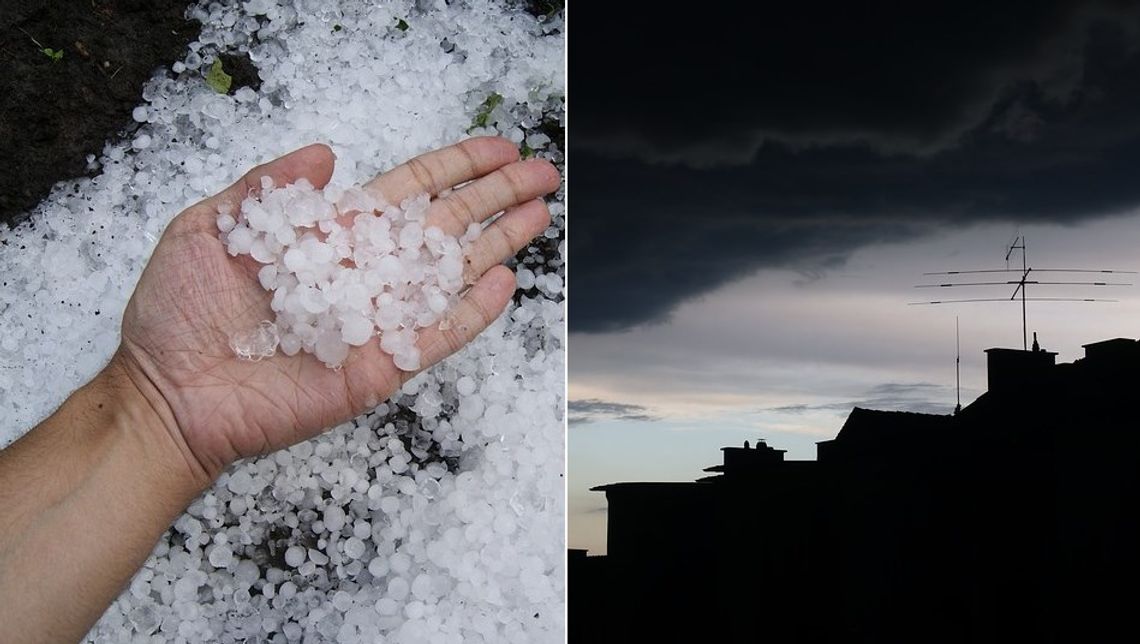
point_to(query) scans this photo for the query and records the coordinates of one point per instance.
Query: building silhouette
(1016, 519)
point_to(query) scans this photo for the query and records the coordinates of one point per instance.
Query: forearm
(83, 498)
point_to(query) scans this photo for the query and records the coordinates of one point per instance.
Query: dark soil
(53, 113)
(543, 8)
(242, 71)
(57, 109)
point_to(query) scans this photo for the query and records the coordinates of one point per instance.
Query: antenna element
(1021, 285)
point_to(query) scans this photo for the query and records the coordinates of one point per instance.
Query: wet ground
(70, 75)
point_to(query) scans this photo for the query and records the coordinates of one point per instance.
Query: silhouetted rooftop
(1114, 350)
(984, 523)
(1115, 344)
(642, 485)
(866, 428)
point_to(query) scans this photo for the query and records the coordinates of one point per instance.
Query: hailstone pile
(334, 286)
(438, 516)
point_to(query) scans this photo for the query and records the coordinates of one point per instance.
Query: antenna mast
(1019, 244)
(957, 365)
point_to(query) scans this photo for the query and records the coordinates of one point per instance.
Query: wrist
(144, 423)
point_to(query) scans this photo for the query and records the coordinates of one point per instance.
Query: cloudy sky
(754, 202)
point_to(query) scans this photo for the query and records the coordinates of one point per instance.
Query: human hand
(193, 295)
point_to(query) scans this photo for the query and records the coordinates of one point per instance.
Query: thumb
(313, 162)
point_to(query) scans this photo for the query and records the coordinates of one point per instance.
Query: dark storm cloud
(730, 146)
(593, 410)
(902, 77)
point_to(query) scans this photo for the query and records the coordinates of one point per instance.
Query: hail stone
(333, 287)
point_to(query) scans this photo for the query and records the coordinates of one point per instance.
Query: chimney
(1013, 370)
(1114, 350)
(745, 462)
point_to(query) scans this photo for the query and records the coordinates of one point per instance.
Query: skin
(85, 495)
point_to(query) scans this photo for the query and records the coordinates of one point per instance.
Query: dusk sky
(753, 209)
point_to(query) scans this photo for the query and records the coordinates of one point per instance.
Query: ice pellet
(398, 589)
(401, 277)
(334, 518)
(354, 548)
(295, 556)
(221, 556)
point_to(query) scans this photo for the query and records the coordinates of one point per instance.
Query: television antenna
(957, 365)
(1022, 283)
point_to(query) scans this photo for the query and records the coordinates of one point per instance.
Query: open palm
(193, 295)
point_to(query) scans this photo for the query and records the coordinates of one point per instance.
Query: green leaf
(217, 78)
(527, 152)
(54, 54)
(401, 25)
(483, 114)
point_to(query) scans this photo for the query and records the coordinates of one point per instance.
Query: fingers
(505, 237)
(313, 162)
(444, 168)
(493, 283)
(510, 185)
(478, 308)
